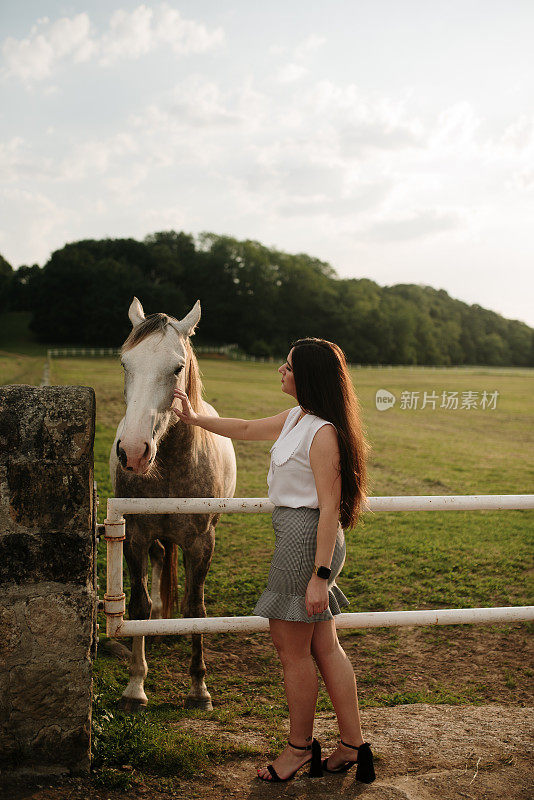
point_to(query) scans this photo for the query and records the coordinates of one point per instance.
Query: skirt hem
(292, 608)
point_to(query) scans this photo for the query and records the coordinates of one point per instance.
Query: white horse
(156, 455)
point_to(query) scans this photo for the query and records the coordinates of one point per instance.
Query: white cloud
(183, 35)
(362, 167)
(294, 70)
(97, 157)
(130, 34)
(345, 206)
(197, 122)
(517, 140)
(124, 184)
(522, 180)
(201, 102)
(414, 226)
(157, 219)
(19, 162)
(34, 58)
(288, 158)
(291, 72)
(35, 221)
(360, 122)
(456, 128)
(312, 42)
(10, 159)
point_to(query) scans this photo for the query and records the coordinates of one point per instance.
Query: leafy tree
(83, 293)
(257, 297)
(22, 288)
(6, 272)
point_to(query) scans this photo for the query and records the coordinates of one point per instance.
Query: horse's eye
(178, 370)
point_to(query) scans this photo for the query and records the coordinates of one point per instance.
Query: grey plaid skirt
(292, 567)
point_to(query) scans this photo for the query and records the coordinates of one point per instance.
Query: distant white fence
(231, 351)
(228, 350)
(81, 352)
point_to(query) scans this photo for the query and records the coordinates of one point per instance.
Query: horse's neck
(190, 472)
(178, 437)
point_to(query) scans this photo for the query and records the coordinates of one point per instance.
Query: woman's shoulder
(316, 422)
(323, 434)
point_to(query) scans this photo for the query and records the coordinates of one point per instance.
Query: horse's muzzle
(123, 458)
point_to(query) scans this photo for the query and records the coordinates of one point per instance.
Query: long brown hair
(324, 388)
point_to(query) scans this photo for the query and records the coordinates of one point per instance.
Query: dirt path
(422, 752)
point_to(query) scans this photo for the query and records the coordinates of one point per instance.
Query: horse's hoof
(203, 703)
(131, 705)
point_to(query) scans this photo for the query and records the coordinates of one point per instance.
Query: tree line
(257, 297)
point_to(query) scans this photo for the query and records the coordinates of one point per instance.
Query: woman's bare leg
(340, 682)
(293, 643)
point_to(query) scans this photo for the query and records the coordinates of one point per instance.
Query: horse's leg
(197, 559)
(138, 608)
(157, 554)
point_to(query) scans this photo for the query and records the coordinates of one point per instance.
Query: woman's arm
(324, 461)
(265, 429)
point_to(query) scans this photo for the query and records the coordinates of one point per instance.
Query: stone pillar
(47, 578)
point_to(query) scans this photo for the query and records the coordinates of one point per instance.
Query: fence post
(114, 599)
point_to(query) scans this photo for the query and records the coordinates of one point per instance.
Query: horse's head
(157, 358)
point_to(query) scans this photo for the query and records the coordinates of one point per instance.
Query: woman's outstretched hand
(186, 413)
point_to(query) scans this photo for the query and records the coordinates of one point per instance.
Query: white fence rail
(364, 619)
(257, 505)
(81, 352)
(115, 532)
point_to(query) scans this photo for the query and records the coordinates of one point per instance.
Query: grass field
(394, 561)
(21, 357)
(15, 334)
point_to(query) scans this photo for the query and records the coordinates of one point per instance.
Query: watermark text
(448, 400)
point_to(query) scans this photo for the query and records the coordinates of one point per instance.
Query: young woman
(317, 482)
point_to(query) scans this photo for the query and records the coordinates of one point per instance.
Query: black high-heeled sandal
(314, 762)
(365, 770)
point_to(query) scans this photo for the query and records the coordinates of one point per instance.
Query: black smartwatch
(322, 572)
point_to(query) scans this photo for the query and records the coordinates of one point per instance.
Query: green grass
(16, 337)
(394, 560)
(152, 744)
(16, 369)
(21, 357)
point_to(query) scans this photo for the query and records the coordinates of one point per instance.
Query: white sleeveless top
(290, 479)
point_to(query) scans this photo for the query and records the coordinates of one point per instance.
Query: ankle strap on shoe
(351, 746)
(298, 747)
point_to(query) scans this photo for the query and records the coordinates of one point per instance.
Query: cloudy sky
(392, 138)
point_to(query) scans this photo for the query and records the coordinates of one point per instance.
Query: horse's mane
(193, 388)
(151, 324)
(193, 382)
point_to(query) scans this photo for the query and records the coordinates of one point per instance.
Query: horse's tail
(169, 579)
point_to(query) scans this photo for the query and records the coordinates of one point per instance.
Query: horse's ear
(187, 325)
(136, 313)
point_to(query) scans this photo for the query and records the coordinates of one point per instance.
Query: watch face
(323, 572)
